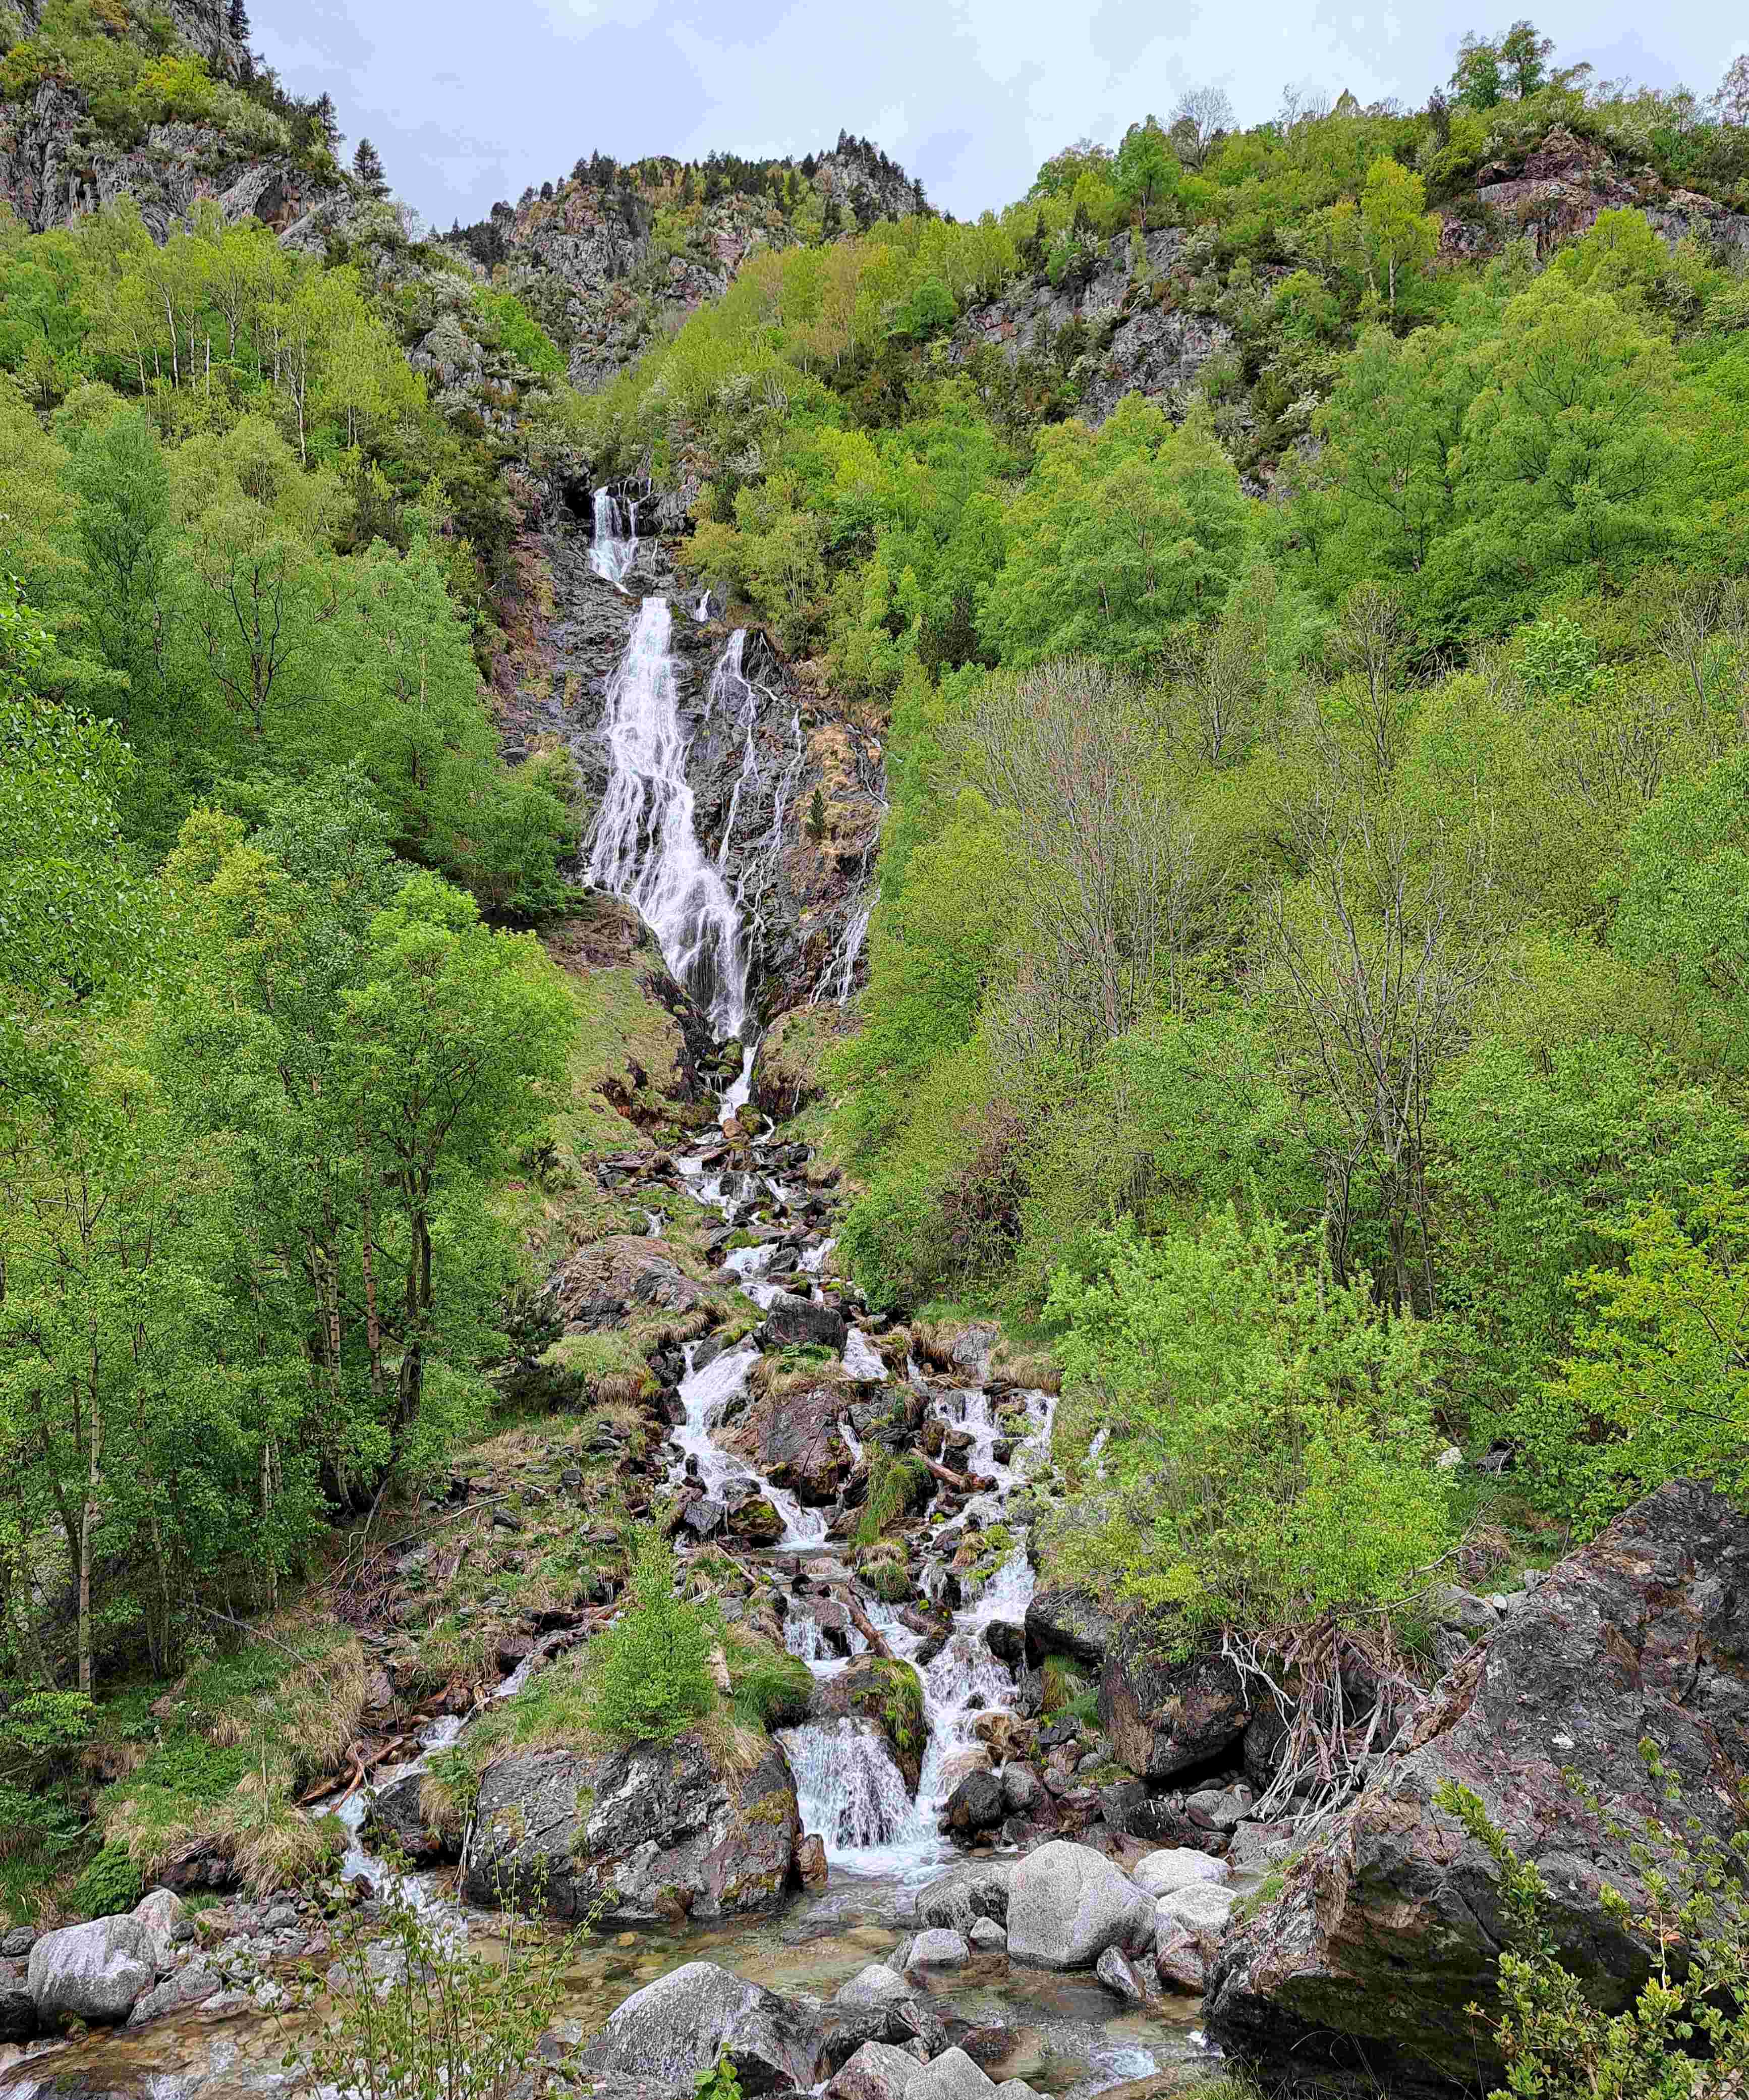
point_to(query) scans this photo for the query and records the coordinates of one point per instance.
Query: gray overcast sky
(468, 102)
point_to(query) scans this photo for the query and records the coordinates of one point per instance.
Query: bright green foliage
(719, 2083)
(110, 1886)
(1254, 1404)
(1146, 174)
(1685, 897)
(68, 918)
(1657, 1385)
(520, 333)
(450, 2020)
(1123, 538)
(652, 1677)
(1401, 235)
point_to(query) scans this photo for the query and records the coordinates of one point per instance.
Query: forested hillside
(1282, 594)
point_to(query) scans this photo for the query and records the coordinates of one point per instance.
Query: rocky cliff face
(55, 168)
(1140, 338)
(1362, 1969)
(612, 265)
(1556, 192)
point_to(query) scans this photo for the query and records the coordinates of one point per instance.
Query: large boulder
(1067, 1904)
(1163, 1873)
(655, 1831)
(604, 1285)
(794, 1322)
(92, 1972)
(877, 2071)
(1390, 1928)
(1164, 1714)
(951, 2076)
(1063, 1620)
(956, 1901)
(794, 1440)
(685, 2022)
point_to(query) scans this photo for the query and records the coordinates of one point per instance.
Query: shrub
(448, 2021)
(652, 1674)
(770, 1687)
(1695, 1921)
(109, 1885)
(1271, 1439)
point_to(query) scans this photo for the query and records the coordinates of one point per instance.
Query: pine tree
(325, 122)
(817, 817)
(367, 170)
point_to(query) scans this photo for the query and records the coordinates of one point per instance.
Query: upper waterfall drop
(613, 551)
(646, 848)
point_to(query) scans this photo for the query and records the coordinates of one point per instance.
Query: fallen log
(867, 1627)
(960, 1483)
(361, 1766)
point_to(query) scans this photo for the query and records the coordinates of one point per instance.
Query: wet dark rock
(18, 2015)
(1389, 1928)
(394, 1818)
(975, 1804)
(657, 1831)
(703, 1516)
(1062, 1620)
(752, 1518)
(1165, 1715)
(794, 1439)
(791, 1322)
(1006, 1641)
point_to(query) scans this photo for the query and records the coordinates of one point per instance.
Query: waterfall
(646, 847)
(847, 1785)
(838, 979)
(612, 551)
(730, 687)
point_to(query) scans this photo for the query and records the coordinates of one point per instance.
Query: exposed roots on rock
(1343, 1694)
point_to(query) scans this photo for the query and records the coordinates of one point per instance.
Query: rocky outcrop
(1067, 1904)
(604, 1284)
(888, 1696)
(1062, 1620)
(1557, 191)
(655, 1833)
(55, 169)
(1140, 338)
(1390, 1927)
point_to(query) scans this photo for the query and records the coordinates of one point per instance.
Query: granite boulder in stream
(655, 1831)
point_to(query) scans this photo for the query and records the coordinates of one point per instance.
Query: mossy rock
(889, 1697)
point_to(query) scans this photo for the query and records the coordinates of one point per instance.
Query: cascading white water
(730, 690)
(838, 979)
(645, 847)
(847, 1786)
(614, 547)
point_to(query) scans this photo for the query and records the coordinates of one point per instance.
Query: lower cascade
(847, 1785)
